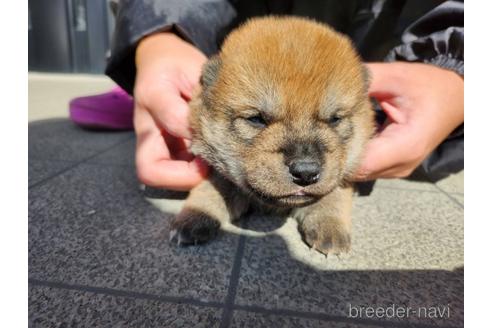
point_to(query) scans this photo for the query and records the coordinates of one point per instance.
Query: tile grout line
(226, 319)
(123, 293)
(329, 318)
(442, 191)
(454, 200)
(218, 305)
(42, 181)
(415, 190)
(39, 159)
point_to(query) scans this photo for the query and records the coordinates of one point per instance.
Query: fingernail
(186, 133)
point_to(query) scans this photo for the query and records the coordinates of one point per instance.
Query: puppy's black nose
(304, 172)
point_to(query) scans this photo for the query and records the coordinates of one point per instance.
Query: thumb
(170, 111)
(384, 80)
(381, 153)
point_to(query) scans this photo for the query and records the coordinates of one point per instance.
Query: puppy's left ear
(210, 72)
(366, 76)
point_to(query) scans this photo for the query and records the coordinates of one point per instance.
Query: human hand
(168, 69)
(423, 103)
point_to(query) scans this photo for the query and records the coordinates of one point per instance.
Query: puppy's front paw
(193, 228)
(327, 238)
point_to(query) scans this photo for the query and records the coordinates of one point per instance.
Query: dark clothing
(382, 30)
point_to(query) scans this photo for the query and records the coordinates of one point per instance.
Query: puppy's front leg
(203, 212)
(326, 225)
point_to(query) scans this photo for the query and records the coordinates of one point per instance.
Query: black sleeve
(200, 22)
(437, 38)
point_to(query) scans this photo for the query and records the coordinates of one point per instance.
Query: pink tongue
(300, 193)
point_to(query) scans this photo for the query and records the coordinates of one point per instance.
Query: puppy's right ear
(210, 72)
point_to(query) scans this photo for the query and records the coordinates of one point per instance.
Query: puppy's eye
(334, 120)
(257, 121)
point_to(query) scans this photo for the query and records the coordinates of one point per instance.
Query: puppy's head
(283, 111)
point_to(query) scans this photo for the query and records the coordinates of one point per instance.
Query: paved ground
(99, 255)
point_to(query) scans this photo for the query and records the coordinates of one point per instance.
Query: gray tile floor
(99, 254)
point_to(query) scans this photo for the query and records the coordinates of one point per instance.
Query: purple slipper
(111, 110)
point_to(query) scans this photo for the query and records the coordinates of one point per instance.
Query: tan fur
(297, 75)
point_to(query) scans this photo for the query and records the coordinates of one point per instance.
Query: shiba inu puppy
(282, 117)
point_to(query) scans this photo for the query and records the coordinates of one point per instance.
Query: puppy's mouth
(294, 199)
(300, 197)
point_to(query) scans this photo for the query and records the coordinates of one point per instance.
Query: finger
(378, 74)
(392, 111)
(398, 171)
(186, 86)
(179, 148)
(174, 144)
(170, 111)
(157, 165)
(384, 82)
(176, 175)
(382, 153)
(158, 168)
